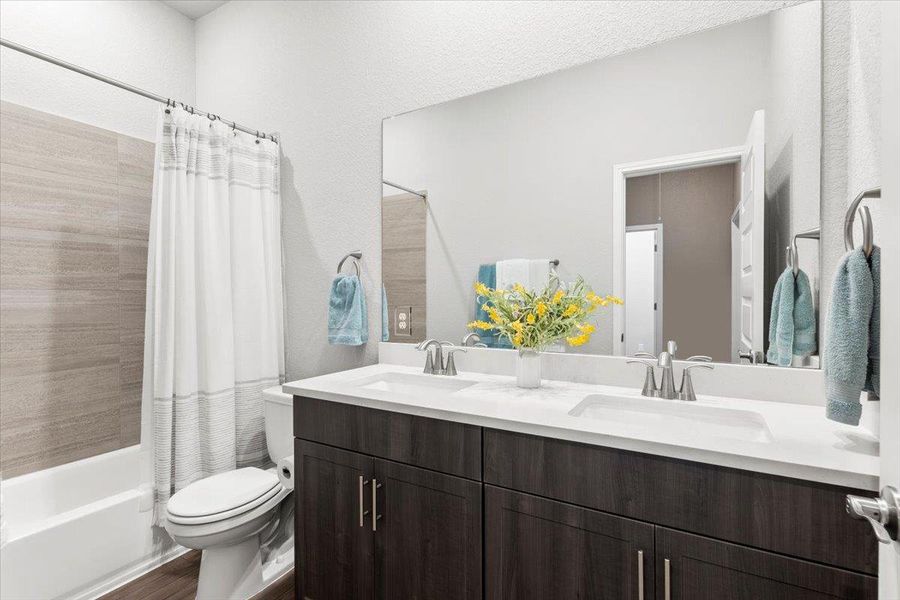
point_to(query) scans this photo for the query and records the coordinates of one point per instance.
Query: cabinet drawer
(537, 548)
(790, 516)
(704, 569)
(453, 448)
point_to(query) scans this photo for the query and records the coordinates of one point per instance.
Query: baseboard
(130, 574)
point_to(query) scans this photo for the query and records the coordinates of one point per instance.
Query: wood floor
(177, 580)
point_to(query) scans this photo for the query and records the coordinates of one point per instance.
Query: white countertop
(803, 443)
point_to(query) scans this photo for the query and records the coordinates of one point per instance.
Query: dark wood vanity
(396, 506)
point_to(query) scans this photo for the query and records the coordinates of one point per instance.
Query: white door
(750, 222)
(643, 289)
(889, 554)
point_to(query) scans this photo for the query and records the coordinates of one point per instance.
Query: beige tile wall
(74, 219)
(403, 260)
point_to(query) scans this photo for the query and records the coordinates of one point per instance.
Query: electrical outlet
(403, 321)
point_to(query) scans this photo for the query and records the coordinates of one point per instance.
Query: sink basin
(413, 385)
(691, 418)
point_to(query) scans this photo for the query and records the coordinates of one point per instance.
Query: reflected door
(750, 222)
(643, 289)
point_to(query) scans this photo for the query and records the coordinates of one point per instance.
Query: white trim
(623, 171)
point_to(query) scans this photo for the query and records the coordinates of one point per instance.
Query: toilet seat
(222, 497)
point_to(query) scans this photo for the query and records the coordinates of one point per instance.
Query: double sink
(628, 410)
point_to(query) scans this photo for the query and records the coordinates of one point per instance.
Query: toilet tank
(279, 417)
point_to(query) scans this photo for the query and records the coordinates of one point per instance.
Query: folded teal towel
(873, 374)
(792, 321)
(348, 323)
(487, 274)
(847, 328)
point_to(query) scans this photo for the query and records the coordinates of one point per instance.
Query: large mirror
(683, 178)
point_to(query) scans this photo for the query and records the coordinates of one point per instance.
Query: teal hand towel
(348, 323)
(847, 328)
(487, 274)
(385, 321)
(873, 374)
(792, 321)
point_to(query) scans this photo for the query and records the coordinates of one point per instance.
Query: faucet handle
(649, 390)
(451, 364)
(699, 358)
(643, 354)
(686, 392)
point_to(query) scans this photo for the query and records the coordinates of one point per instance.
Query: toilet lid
(223, 493)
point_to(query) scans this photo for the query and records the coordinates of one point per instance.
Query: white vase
(528, 369)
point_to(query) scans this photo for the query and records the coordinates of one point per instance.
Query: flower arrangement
(533, 320)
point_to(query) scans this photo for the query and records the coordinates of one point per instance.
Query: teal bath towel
(873, 374)
(792, 322)
(348, 323)
(847, 328)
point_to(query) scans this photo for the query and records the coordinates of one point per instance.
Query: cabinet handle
(667, 567)
(362, 513)
(375, 515)
(640, 575)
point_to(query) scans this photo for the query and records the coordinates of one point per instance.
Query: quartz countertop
(801, 443)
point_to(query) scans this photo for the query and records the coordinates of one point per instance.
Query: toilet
(229, 515)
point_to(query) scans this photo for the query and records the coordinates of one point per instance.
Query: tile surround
(75, 209)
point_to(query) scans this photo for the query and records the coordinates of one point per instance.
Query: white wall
(324, 74)
(143, 42)
(525, 171)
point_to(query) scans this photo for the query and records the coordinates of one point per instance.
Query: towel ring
(865, 218)
(356, 255)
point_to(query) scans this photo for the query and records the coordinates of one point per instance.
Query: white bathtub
(79, 530)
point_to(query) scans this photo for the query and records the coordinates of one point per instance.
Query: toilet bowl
(227, 515)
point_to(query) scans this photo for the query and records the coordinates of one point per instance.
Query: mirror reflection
(683, 178)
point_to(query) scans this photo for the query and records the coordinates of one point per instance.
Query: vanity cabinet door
(537, 549)
(692, 567)
(334, 541)
(428, 538)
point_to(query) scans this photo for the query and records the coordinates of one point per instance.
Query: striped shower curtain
(214, 324)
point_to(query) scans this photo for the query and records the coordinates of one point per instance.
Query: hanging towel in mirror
(873, 373)
(487, 274)
(348, 323)
(385, 320)
(792, 320)
(847, 331)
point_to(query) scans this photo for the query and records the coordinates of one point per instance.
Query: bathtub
(79, 530)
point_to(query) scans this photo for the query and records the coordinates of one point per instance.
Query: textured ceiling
(194, 8)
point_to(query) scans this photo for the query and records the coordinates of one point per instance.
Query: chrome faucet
(435, 365)
(665, 361)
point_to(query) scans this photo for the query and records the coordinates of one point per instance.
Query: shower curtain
(214, 323)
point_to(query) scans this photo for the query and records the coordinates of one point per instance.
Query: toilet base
(231, 572)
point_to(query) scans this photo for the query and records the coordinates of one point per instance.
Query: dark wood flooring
(177, 580)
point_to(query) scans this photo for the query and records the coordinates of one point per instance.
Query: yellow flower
(577, 340)
(495, 316)
(530, 319)
(586, 328)
(517, 326)
(541, 309)
(519, 288)
(571, 310)
(480, 325)
(517, 339)
(558, 296)
(615, 300)
(481, 289)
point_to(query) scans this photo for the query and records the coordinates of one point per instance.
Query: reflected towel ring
(356, 255)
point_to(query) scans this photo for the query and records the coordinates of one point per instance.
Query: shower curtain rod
(130, 88)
